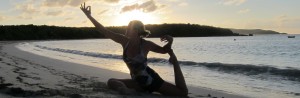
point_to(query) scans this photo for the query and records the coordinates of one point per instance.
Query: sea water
(263, 66)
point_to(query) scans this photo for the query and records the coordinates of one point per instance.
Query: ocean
(262, 66)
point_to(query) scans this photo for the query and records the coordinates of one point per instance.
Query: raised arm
(107, 33)
(158, 49)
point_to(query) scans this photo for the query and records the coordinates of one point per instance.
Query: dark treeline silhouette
(188, 30)
(43, 32)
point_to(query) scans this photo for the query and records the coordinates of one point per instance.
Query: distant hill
(44, 32)
(188, 30)
(254, 31)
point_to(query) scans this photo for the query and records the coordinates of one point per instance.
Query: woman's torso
(135, 56)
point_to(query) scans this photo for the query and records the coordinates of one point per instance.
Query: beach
(25, 74)
(225, 48)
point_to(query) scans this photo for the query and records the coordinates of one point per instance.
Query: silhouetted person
(135, 51)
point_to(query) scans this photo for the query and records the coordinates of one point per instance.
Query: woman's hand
(169, 39)
(86, 10)
(166, 38)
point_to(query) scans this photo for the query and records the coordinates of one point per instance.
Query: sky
(278, 15)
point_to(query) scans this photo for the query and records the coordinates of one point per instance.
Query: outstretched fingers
(84, 5)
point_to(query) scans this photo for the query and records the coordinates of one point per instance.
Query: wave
(246, 69)
(91, 54)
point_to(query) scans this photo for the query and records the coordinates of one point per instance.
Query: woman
(135, 56)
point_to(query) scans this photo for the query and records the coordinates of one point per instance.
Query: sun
(126, 17)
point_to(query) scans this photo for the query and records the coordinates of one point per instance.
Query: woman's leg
(180, 88)
(172, 90)
(124, 86)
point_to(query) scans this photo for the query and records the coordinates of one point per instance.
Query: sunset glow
(146, 18)
(278, 15)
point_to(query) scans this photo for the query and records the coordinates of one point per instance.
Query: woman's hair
(140, 27)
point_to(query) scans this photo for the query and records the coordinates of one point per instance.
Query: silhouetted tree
(43, 32)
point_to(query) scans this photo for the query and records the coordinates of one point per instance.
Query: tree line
(44, 32)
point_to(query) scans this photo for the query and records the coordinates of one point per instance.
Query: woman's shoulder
(147, 41)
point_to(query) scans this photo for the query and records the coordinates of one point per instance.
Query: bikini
(146, 77)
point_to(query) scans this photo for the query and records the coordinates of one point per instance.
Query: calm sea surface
(265, 66)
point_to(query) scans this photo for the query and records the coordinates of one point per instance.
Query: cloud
(2, 18)
(75, 3)
(146, 7)
(286, 23)
(27, 8)
(173, 0)
(62, 3)
(69, 18)
(54, 13)
(26, 17)
(129, 8)
(243, 11)
(232, 2)
(183, 4)
(112, 1)
(281, 20)
(85, 21)
(72, 3)
(281, 23)
(102, 12)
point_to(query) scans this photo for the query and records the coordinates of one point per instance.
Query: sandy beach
(24, 74)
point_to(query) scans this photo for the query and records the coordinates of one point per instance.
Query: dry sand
(24, 74)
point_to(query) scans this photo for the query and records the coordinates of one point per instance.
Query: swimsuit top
(136, 64)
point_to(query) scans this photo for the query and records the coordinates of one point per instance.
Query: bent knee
(111, 80)
(182, 92)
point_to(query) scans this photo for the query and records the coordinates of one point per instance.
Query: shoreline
(43, 76)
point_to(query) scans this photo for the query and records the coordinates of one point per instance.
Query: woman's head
(136, 28)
